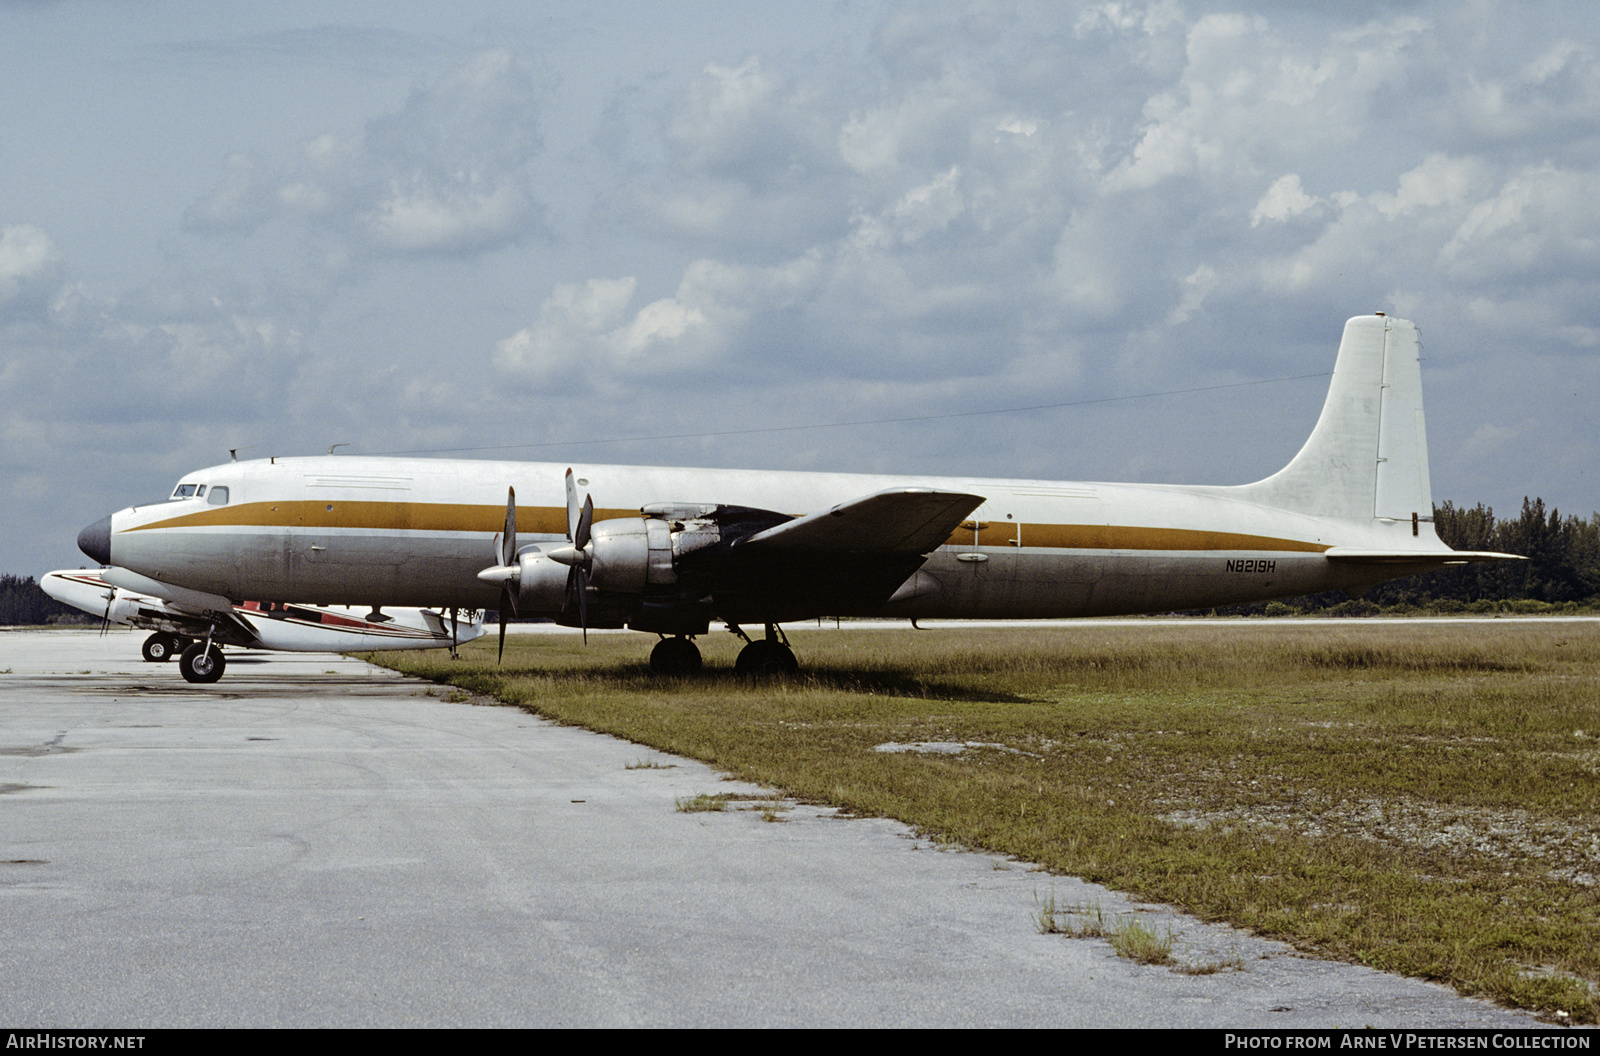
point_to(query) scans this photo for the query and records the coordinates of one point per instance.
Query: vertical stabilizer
(1367, 458)
(1402, 441)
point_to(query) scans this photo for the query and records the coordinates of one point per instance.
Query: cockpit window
(184, 491)
(219, 496)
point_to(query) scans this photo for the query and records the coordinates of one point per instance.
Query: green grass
(700, 803)
(1137, 941)
(1049, 917)
(1419, 798)
(1086, 920)
(1130, 937)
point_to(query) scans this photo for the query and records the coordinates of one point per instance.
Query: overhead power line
(850, 425)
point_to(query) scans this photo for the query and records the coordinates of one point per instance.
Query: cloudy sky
(519, 229)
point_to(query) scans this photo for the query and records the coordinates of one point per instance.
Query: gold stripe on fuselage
(552, 520)
(1125, 537)
(380, 516)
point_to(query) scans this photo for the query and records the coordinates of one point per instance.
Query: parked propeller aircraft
(671, 550)
(249, 624)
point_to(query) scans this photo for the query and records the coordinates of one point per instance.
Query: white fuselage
(1351, 509)
(380, 531)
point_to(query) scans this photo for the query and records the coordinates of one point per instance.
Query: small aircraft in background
(674, 549)
(183, 634)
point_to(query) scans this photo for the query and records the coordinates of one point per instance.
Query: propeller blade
(508, 541)
(507, 572)
(578, 591)
(583, 603)
(579, 521)
(105, 619)
(572, 507)
(508, 609)
(580, 538)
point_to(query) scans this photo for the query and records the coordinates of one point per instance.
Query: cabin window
(219, 496)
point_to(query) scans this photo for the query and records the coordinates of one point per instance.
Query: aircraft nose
(95, 540)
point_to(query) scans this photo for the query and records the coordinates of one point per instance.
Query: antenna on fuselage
(332, 446)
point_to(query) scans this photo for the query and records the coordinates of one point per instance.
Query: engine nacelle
(541, 582)
(629, 554)
(124, 610)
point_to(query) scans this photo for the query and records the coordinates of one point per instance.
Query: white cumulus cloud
(1283, 200)
(447, 173)
(30, 265)
(585, 333)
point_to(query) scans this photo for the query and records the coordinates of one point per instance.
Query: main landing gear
(159, 648)
(202, 662)
(199, 661)
(765, 658)
(676, 656)
(761, 659)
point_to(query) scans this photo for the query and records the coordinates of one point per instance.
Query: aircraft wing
(120, 596)
(194, 613)
(849, 558)
(897, 521)
(116, 595)
(82, 589)
(180, 599)
(93, 591)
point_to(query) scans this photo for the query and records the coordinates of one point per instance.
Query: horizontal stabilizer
(898, 521)
(1350, 555)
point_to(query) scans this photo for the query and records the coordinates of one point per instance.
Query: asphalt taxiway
(317, 842)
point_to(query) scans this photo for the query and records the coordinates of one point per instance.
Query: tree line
(1563, 557)
(1563, 569)
(23, 604)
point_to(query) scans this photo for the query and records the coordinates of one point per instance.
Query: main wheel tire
(200, 664)
(676, 656)
(765, 659)
(158, 649)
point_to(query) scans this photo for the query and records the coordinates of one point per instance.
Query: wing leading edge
(897, 521)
